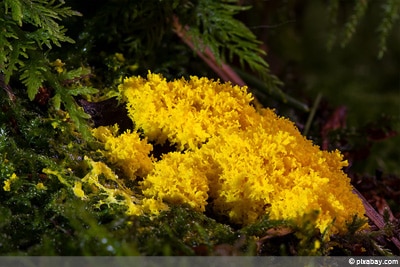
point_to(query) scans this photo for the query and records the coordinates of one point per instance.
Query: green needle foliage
(390, 13)
(143, 32)
(216, 28)
(213, 28)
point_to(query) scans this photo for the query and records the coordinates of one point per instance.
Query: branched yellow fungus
(242, 162)
(126, 150)
(187, 113)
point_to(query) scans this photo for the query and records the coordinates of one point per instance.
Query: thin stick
(223, 70)
(375, 217)
(312, 114)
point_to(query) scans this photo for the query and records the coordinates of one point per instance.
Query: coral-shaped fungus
(242, 162)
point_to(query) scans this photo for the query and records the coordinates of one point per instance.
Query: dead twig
(375, 217)
(223, 70)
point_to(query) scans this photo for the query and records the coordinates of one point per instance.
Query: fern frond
(391, 12)
(21, 52)
(350, 27)
(15, 41)
(44, 15)
(14, 60)
(40, 13)
(6, 47)
(72, 79)
(15, 8)
(46, 37)
(32, 74)
(83, 90)
(333, 9)
(74, 74)
(63, 95)
(214, 29)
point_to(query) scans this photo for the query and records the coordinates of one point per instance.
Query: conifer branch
(226, 36)
(350, 27)
(22, 52)
(390, 13)
(223, 70)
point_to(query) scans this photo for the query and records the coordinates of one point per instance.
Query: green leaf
(63, 95)
(74, 74)
(56, 101)
(32, 74)
(16, 10)
(14, 60)
(83, 90)
(74, 77)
